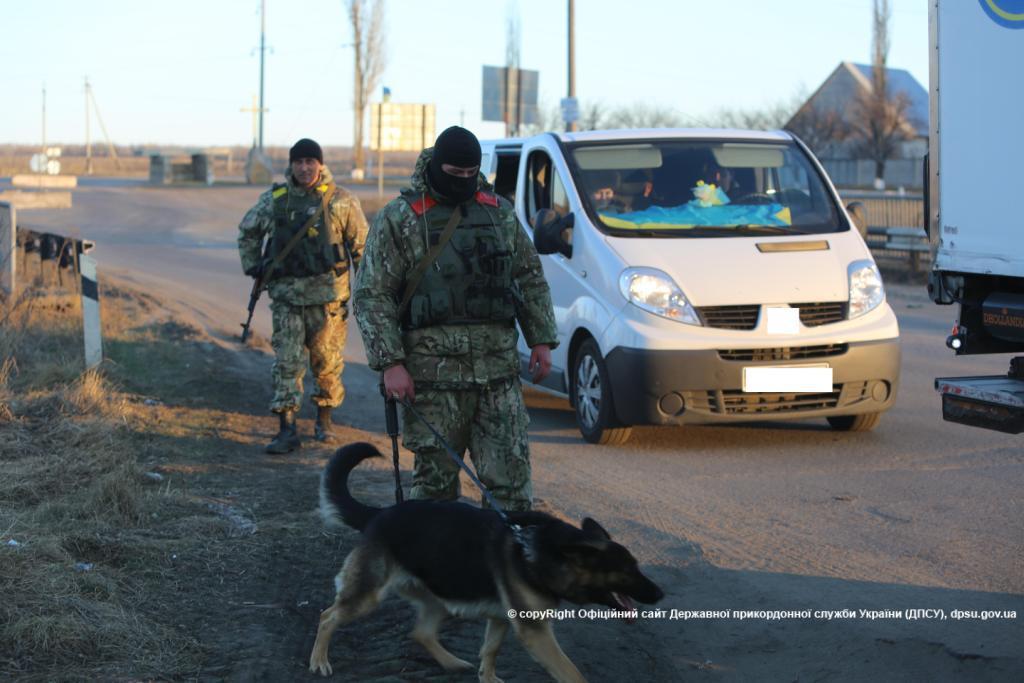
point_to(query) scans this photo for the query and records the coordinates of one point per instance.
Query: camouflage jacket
(455, 355)
(346, 218)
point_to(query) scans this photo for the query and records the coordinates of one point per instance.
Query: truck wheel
(592, 396)
(864, 422)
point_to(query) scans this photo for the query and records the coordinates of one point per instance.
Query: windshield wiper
(772, 229)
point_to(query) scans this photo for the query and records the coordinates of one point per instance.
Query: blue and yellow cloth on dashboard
(710, 206)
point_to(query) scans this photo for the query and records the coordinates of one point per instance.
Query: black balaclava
(458, 147)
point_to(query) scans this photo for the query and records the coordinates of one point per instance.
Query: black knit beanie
(305, 149)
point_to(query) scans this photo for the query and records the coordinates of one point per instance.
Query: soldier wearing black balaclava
(452, 348)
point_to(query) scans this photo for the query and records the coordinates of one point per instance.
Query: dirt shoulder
(221, 567)
(155, 540)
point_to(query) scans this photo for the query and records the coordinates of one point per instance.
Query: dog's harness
(517, 531)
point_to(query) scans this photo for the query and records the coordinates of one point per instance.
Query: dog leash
(516, 529)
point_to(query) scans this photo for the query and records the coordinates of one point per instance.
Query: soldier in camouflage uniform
(308, 286)
(453, 348)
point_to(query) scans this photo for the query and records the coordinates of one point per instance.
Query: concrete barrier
(60, 182)
(37, 200)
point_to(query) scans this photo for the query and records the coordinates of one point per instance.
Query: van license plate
(788, 379)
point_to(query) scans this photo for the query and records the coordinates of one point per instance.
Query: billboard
(398, 127)
(510, 95)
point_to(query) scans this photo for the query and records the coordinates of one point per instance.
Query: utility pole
(572, 59)
(45, 156)
(255, 122)
(263, 52)
(88, 138)
(99, 117)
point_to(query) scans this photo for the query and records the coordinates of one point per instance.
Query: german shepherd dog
(453, 558)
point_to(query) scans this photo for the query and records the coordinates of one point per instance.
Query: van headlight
(866, 289)
(656, 292)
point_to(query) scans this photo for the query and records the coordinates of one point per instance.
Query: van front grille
(738, 402)
(783, 353)
(812, 315)
(731, 317)
(735, 402)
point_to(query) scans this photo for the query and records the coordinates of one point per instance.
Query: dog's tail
(336, 503)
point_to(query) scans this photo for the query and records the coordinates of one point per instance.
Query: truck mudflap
(992, 402)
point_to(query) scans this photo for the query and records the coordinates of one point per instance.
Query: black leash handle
(391, 423)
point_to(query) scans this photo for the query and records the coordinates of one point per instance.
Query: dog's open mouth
(624, 603)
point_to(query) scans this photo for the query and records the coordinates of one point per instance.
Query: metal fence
(896, 234)
(905, 173)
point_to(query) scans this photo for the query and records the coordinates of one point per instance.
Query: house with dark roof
(831, 107)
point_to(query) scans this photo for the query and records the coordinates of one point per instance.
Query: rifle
(267, 268)
(254, 295)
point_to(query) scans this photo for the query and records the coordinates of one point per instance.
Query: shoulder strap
(414, 278)
(301, 232)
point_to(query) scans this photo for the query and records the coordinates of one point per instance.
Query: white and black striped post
(91, 312)
(8, 248)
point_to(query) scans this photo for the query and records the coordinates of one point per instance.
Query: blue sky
(178, 73)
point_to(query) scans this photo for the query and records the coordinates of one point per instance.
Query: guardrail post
(8, 248)
(91, 312)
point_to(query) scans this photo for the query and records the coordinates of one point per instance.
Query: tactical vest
(321, 251)
(471, 280)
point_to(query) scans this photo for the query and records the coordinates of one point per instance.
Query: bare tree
(592, 116)
(367, 20)
(879, 118)
(820, 128)
(772, 116)
(643, 116)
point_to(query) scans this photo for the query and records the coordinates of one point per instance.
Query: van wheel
(864, 422)
(592, 396)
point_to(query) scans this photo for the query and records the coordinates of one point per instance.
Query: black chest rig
(319, 251)
(471, 280)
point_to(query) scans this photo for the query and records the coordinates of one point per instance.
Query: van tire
(864, 422)
(592, 398)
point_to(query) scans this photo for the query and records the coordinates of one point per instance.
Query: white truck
(973, 200)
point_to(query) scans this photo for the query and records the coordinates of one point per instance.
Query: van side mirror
(553, 233)
(859, 215)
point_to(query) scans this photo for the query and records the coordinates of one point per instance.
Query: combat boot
(323, 431)
(287, 439)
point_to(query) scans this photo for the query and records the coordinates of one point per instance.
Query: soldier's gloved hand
(398, 383)
(255, 271)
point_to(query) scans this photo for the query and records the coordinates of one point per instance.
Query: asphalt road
(919, 513)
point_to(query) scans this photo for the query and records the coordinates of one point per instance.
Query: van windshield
(669, 188)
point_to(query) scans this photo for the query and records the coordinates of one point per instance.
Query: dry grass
(73, 499)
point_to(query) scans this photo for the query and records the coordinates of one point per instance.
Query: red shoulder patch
(487, 198)
(422, 204)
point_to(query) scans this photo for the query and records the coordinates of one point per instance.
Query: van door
(544, 183)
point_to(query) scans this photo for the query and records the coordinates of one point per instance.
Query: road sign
(38, 163)
(570, 109)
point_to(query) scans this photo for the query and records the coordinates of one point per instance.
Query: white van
(704, 276)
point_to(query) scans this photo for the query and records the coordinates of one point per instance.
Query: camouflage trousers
(316, 333)
(491, 422)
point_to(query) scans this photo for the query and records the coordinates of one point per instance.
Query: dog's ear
(592, 528)
(584, 548)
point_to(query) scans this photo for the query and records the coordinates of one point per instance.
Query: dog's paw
(320, 665)
(486, 677)
(456, 665)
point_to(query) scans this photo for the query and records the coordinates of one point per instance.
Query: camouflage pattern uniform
(465, 371)
(309, 311)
